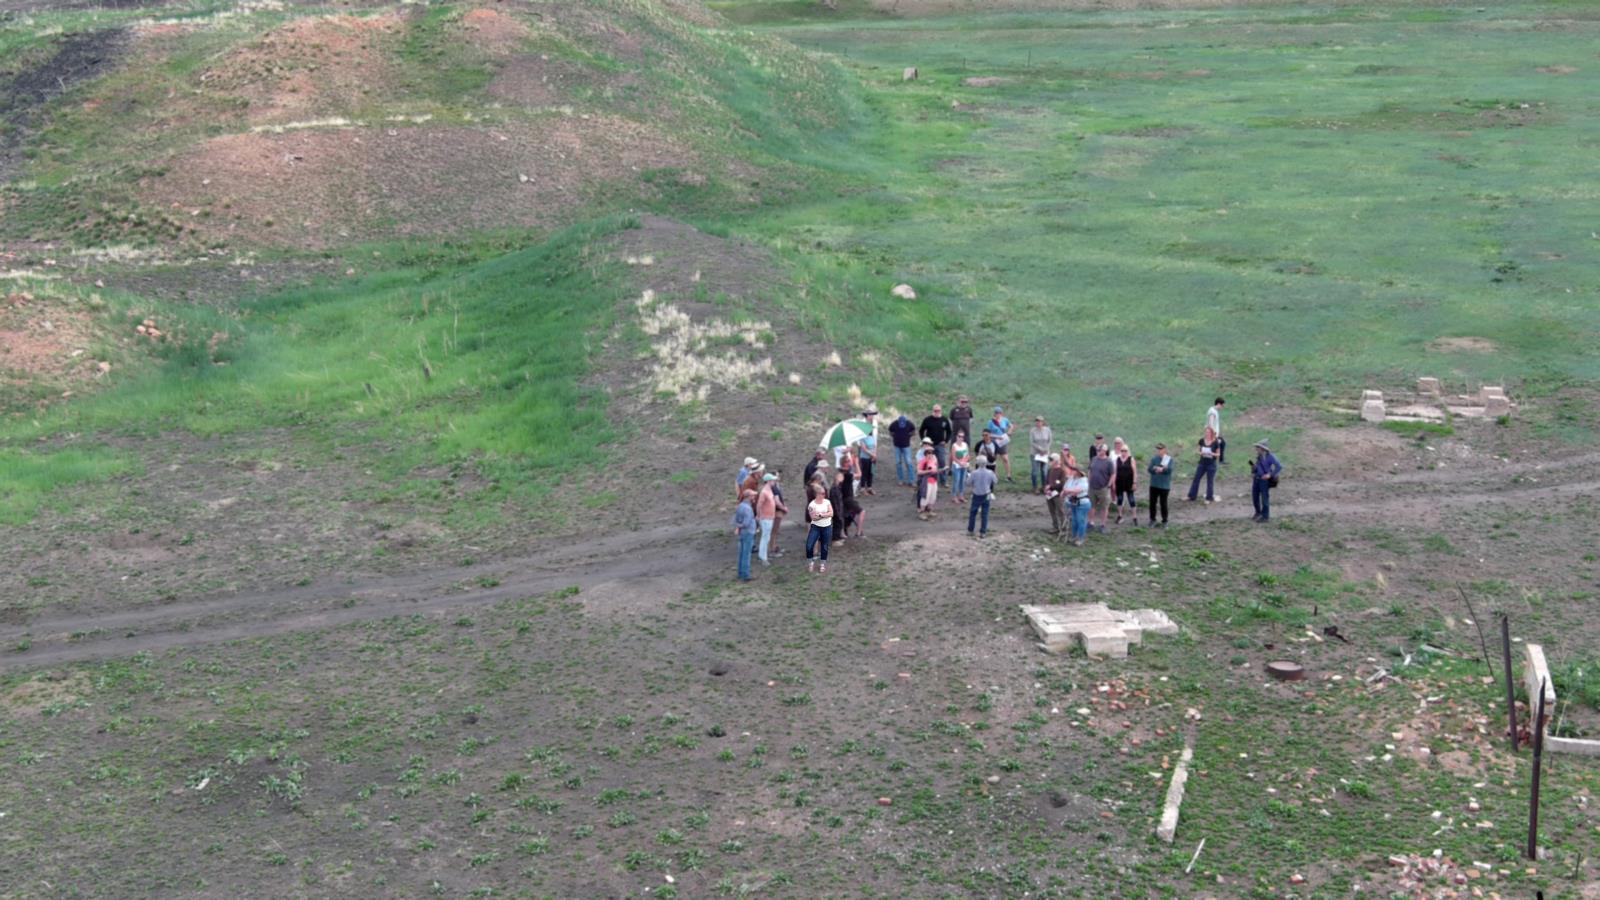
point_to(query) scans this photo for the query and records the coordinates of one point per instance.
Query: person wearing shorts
(1001, 428)
(1101, 473)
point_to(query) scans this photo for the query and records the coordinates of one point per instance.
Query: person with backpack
(1264, 472)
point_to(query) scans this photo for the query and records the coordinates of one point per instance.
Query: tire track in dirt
(642, 557)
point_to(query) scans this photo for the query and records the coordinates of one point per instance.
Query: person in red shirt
(928, 475)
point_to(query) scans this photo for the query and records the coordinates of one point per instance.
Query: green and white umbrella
(850, 431)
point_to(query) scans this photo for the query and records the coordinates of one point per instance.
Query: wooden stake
(1533, 794)
(1511, 696)
(1195, 856)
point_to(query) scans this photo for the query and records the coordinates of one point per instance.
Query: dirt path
(637, 560)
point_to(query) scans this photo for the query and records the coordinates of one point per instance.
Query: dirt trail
(670, 553)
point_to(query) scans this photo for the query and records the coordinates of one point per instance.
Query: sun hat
(928, 441)
(1262, 444)
(749, 462)
(1161, 446)
(999, 409)
(759, 467)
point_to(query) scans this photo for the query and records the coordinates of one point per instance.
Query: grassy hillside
(266, 126)
(232, 141)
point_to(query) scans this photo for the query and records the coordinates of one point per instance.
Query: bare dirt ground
(684, 540)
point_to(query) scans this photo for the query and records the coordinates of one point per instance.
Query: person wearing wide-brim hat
(744, 473)
(928, 471)
(1264, 472)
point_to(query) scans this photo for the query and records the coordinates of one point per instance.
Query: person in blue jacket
(1264, 473)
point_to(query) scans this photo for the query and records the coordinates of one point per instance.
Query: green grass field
(1139, 210)
(1280, 205)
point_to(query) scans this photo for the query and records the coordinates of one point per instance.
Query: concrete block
(1370, 394)
(1575, 746)
(1489, 390)
(1104, 639)
(1372, 411)
(1152, 620)
(1496, 406)
(1169, 812)
(1534, 671)
(1428, 386)
(910, 74)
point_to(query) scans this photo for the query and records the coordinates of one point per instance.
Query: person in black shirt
(901, 430)
(936, 428)
(961, 416)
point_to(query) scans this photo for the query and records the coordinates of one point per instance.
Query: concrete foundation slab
(1100, 630)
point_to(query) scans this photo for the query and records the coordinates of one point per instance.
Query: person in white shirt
(1214, 422)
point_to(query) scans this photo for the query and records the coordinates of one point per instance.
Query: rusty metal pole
(1533, 795)
(1511, 694)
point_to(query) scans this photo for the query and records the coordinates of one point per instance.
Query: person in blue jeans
(1076, 492)
(1206, 467)
(901, 431)
(744, 528)
(981, 481)
(1263, 472)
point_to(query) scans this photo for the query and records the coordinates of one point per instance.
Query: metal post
(1533, 795)
(1511, 695)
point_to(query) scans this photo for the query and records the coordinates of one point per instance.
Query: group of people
(938, 454)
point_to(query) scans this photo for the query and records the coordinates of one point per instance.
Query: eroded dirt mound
(46, 350)
(494, 32)
(317, 186)
(309, 66)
